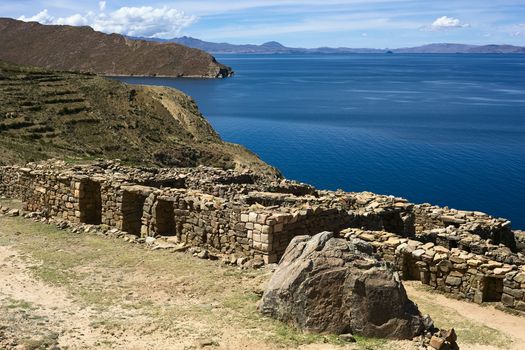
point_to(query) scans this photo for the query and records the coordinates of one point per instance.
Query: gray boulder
(327, 284)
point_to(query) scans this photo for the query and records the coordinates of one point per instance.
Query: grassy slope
(56, 114)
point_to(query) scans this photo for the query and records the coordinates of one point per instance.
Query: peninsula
(83, 49)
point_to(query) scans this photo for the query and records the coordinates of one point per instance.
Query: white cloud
(41, 17)
(446, 23)
(143, 21)
(102, 6)
(518, 30)
(75, 20)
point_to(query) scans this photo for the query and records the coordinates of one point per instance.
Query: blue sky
(304, 23)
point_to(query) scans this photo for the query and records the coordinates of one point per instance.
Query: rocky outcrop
(326, 284)
(85, 50)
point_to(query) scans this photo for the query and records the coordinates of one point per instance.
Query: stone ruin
(470, 255)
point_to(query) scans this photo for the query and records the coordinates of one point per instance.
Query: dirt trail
(36, 314)
(48, 303)
(510, 325)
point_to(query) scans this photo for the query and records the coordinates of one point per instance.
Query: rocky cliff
(83, 49)
(47, 114)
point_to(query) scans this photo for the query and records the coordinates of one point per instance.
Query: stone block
(501, 271)
(252, 217)
(520, 305)
(440, 256)
(453, 281)
(418, 253)
(507, 300)
(265, 238)
(267, 229)
(437, 343)
(520, 277)
(261, 218)
(270, 258)
(473, 262)
(456, 259)
(516, 293)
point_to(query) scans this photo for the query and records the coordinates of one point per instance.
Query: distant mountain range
(275, 47)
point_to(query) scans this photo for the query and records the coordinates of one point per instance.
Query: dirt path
(57, 315)
(36, 315)
(40, 316)
(510, 326)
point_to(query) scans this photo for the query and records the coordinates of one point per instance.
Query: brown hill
(46, 114)
(85, 50)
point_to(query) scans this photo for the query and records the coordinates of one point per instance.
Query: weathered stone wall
(12, 181)
(468, 254)
(197, 219)
(466, 275)
(428, 217)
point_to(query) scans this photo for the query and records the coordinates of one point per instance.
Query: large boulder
(327, 284)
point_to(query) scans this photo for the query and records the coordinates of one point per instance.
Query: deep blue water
(444, 129)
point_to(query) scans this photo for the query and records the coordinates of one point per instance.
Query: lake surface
(444, 129)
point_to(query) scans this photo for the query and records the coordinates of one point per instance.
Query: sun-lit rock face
(328, 284)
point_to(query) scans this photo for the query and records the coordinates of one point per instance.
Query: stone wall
(466, 275)
(469, 254)
(428, 217)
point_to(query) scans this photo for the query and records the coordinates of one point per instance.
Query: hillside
(47, 114)
(273, 47)
(83, 49)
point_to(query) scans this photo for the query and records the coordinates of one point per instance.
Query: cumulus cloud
(143, 21)
(445, 23)
(75, 20)
(41, 17)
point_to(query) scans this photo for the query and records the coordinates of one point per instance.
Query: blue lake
(444, 129)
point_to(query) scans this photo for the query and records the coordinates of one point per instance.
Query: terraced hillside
(47, 114)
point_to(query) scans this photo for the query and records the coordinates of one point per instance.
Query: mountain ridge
(276, 47)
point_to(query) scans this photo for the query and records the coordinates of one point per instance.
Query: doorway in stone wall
(90, 203)
(492, 289)
(410, 270)
(132, 209)
(164, 218)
